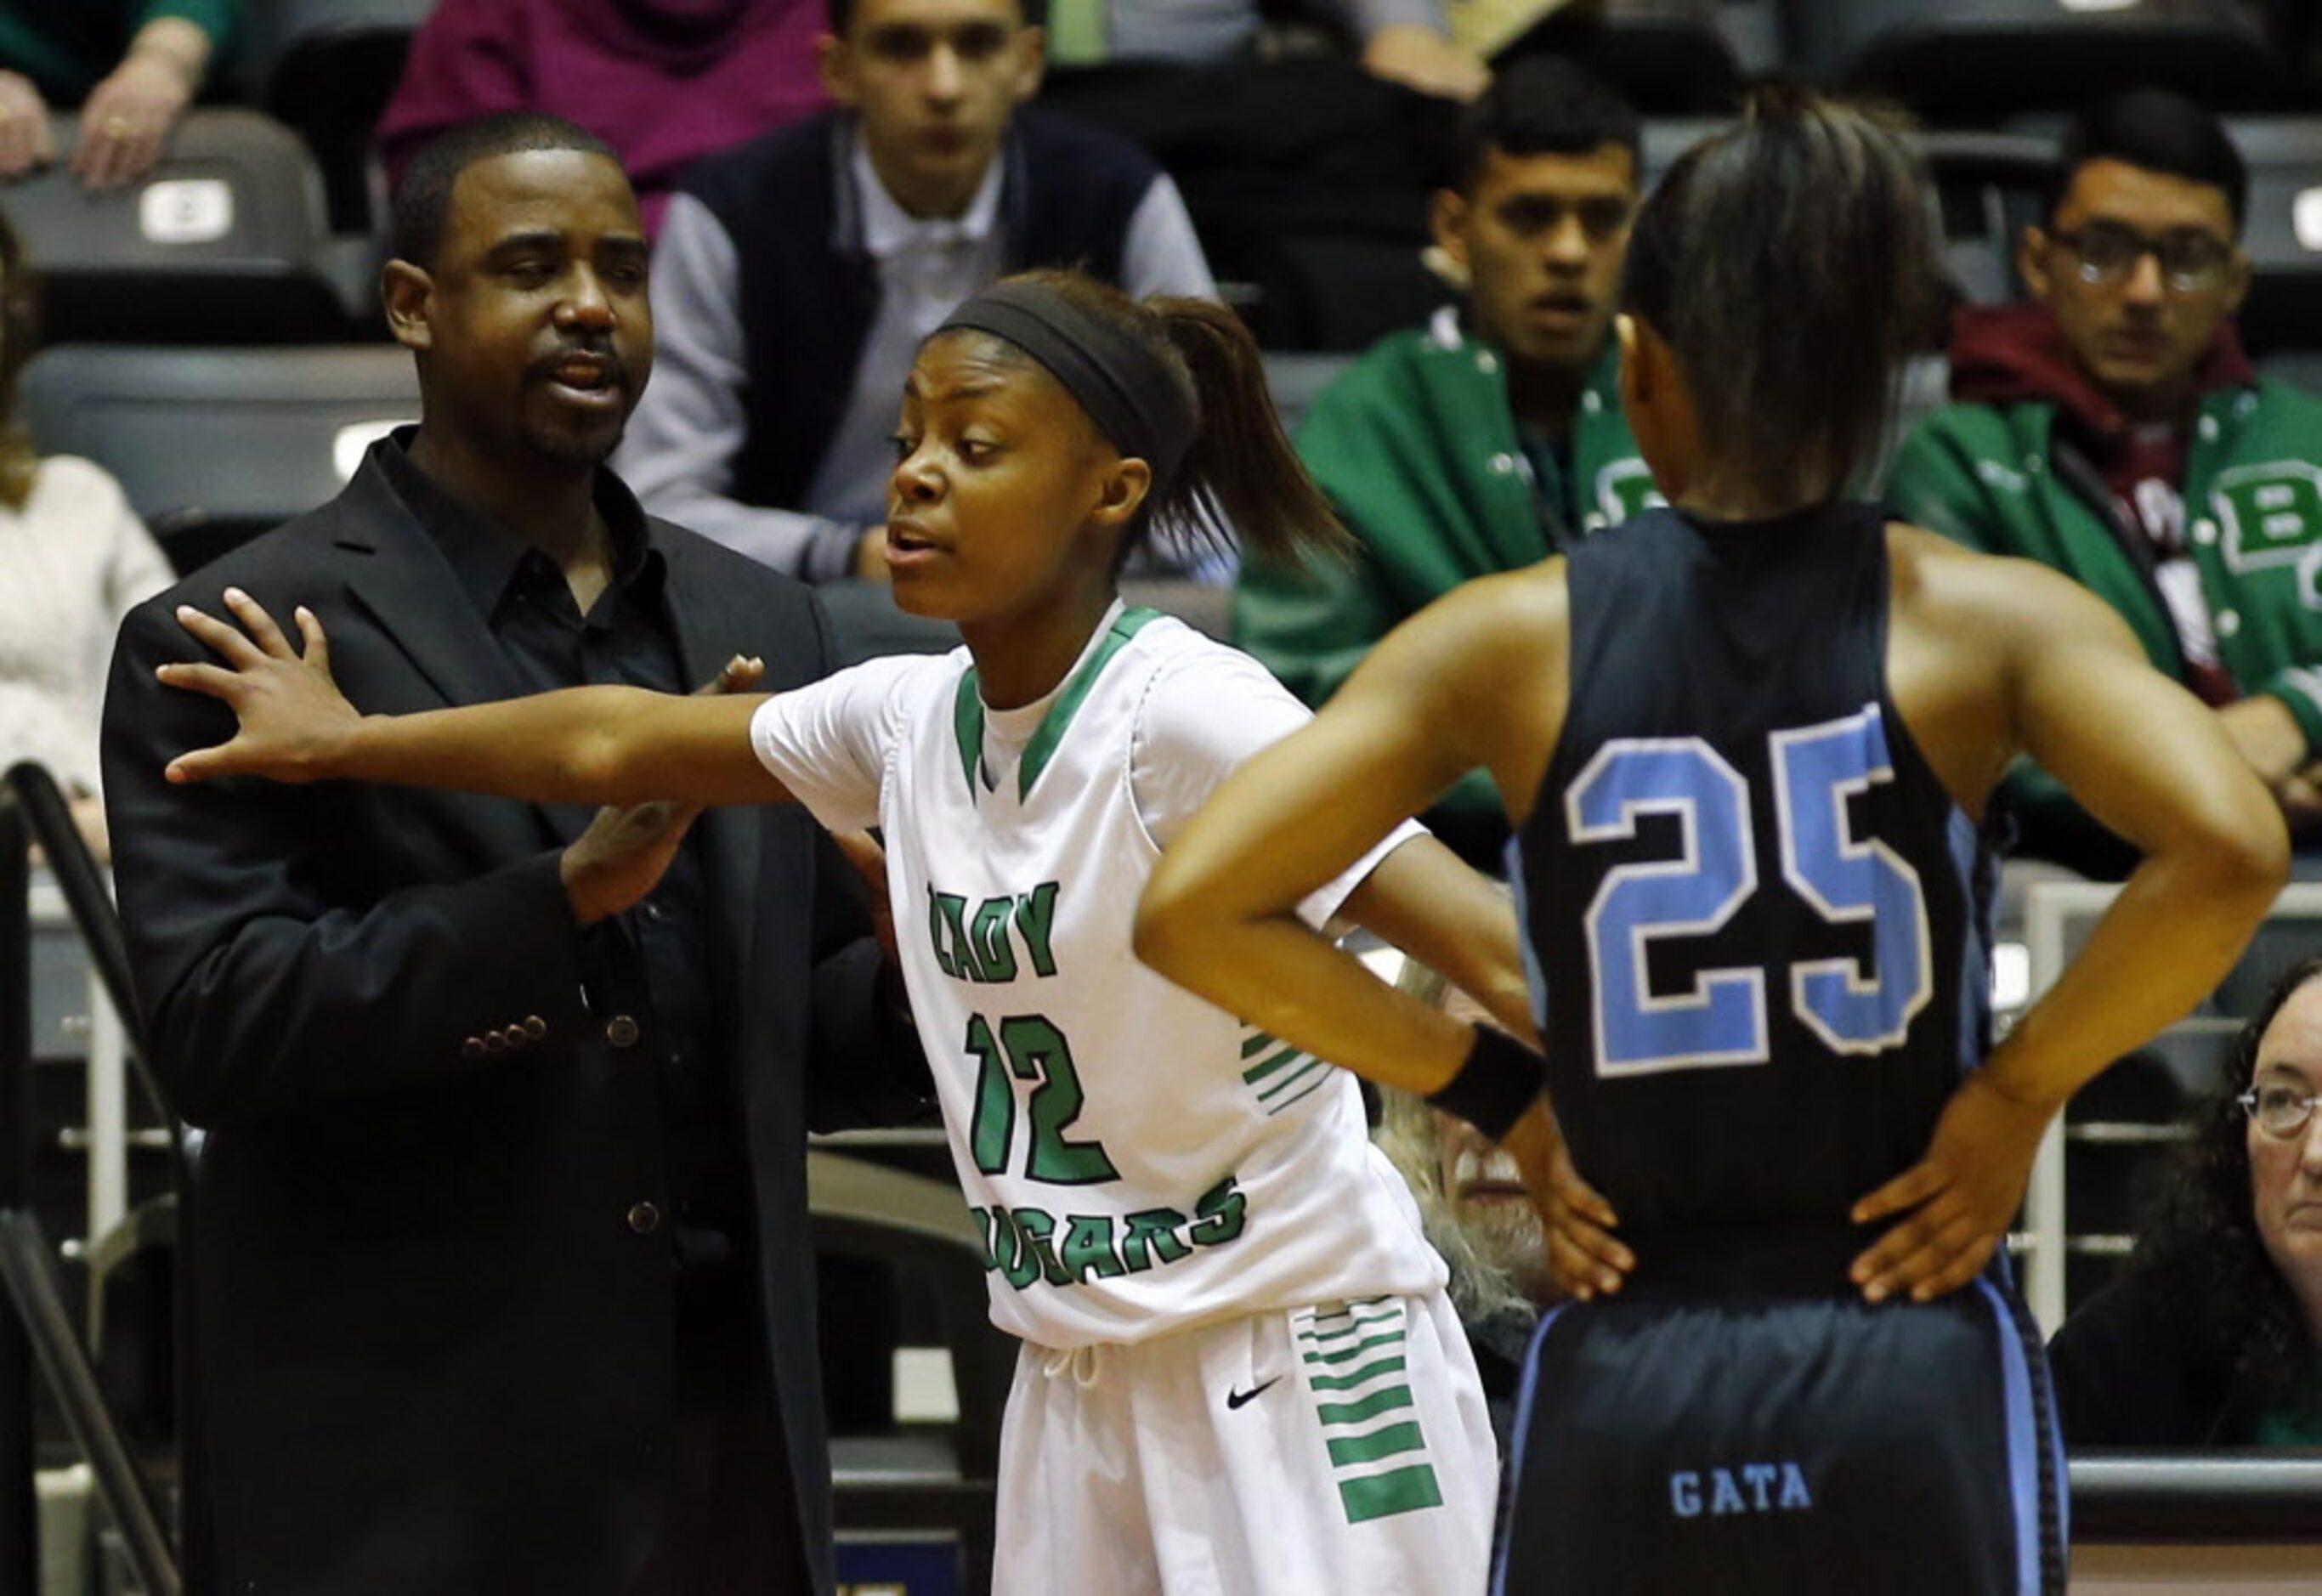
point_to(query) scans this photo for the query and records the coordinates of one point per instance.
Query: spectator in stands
(1404, 41)
(498, 1250)
(1494, 436)
(796, 274)
(2214, 1337)
(1476, 1213)
(663, 82)
(132, 66)
(74, 559)
(2115, 431)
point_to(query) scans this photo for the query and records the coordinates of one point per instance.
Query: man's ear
(1636, 381)
(2032, 262)
(1031, 62)
(408, 293)
(2244, 272)
(1122, 492)
(1447, 222)
(834, 63)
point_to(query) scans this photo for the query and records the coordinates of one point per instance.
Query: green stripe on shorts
(1398, 1491)
(1378, 1443)
(1349, 1382)
(1369, 1407)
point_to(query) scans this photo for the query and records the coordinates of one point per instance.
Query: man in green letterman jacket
(1494, 436)
(2115, 431)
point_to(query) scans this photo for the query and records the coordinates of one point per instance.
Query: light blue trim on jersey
(1978, 924)
(1512, 1475)
(2022, 1424)
(1533, 979)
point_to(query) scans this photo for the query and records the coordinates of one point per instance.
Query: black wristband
(1501, 1079)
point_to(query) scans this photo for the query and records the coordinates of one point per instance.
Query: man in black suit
(497, 1237)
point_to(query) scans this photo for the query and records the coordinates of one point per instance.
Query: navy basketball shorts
(1673, 1440)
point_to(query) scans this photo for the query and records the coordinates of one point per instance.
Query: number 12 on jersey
(1028, 1047)
(1722, 1020)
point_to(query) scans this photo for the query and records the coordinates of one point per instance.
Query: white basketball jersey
(1139, 1160)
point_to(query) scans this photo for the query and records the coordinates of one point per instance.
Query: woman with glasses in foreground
(2214, 1337)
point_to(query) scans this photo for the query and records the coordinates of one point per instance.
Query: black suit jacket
(430, 1350)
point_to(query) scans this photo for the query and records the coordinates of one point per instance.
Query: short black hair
(2158, 131)
(1545, 105)
(1035, 14)
(424, 200)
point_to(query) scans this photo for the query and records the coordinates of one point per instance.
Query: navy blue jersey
(1753, 911)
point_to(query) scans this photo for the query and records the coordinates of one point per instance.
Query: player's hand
(1584, 1257)
(625, 852)
(293, 715)
(1958, 1200)
(27, 143)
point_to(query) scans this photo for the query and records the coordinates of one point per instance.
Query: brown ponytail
(1239, 476)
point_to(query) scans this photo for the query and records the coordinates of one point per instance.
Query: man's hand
(26, 141)
(1420, 58)
(1583, 1256)
(292, 714)
(623, 855)
(1958, 1199)
(871, 555)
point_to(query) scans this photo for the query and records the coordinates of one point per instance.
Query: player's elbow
(2239, 852)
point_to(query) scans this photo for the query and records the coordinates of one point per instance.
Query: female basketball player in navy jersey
(1745, 745)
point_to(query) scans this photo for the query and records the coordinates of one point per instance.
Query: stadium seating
(223, 241)
(326, 67)
(2283, 232)
(1949, 59)
(1666, 55)
(215, 444)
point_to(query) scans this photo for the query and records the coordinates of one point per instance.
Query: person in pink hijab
(661, 81)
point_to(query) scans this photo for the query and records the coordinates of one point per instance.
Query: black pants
(1753, 1433)
(727, 1521)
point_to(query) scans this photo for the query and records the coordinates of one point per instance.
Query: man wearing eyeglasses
(2114, 430)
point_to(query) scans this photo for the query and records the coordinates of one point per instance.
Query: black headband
(1126, 389)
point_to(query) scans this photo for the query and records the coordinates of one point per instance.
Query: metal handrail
(37, 1329)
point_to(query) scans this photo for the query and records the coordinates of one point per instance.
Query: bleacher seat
(2302, 366)
(215, 444)
(1668, 56)
(326, 67)
(220, 243)
(1951, 59)
(2283, 232)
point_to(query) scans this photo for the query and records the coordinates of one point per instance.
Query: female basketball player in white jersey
(1239, 1372)
(1743, 744)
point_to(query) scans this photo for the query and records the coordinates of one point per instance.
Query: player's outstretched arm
(595, 745)
(2149, 761)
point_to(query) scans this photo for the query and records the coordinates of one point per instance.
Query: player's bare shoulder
(1983, 600)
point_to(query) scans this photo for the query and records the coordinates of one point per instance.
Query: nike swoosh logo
(1235, 1399)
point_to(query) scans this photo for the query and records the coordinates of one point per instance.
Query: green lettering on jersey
(1019, 1263)
(935, 935)
(1155, 1229)
(1038, 1227)
(994, 952)
(982, 1217)
(1088, 1245)
(1220, 1209)
(1038, 1050)
(993, 1128)
(1036, 916)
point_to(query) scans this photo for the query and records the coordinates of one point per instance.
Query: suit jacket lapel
(708, 635)
(398, 577)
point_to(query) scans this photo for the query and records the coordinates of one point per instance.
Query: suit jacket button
(621, 1031)
(644, 1218)
(472, 1048)
(535, 1027)
(515, 1037)
(495, 1041)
